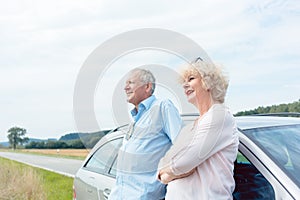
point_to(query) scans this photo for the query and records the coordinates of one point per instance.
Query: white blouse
(211, 147)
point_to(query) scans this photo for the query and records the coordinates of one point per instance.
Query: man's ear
(148, 87)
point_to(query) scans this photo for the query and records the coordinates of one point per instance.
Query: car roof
(249, 122)
(254, 121)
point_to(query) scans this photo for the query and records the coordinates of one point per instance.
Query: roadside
(63, 153)
(20, 181)
(64, 166)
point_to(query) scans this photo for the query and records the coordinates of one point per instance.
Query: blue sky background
(44, 44)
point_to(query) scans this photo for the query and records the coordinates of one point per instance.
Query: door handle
(106, 193)
(89, 191)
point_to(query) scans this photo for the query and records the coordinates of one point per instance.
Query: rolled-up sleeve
(171, 119)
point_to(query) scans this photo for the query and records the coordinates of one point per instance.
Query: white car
(267, 167)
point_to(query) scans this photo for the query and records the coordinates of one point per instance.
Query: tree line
(71, 140)
(17, 138)
(75, 144)
(281, 108)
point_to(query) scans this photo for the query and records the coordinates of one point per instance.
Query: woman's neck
(204, 105)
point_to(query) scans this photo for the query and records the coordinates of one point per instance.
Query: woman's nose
(185, 85)
(126, 87)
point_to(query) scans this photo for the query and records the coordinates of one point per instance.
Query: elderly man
(155, 127)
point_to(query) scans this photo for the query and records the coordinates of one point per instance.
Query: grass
(22, 182)
(57, 186)
(242, 158)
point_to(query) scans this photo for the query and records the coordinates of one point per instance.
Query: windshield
(282, 144)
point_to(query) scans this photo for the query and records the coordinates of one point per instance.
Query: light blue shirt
(157, 124)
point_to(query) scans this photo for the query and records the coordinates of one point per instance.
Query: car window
(281, 144)
(250, 183)
(102, 159)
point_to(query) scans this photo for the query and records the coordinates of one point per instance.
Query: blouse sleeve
(212, 133)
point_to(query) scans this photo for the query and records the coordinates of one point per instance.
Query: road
(63, 166)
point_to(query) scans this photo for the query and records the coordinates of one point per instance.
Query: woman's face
(193, 88)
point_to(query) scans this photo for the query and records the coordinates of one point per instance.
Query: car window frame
(112, 159)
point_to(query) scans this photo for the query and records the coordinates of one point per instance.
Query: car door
(97, 176)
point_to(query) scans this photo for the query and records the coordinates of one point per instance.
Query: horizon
(44, 46)
(114, 127)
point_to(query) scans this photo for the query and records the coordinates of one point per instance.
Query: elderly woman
(200, 163)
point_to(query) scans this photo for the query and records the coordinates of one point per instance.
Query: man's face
(136, 90)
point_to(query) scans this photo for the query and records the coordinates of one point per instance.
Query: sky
(44, 45)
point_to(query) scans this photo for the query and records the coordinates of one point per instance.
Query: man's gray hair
(145, 76)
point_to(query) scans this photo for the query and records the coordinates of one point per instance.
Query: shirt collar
(145, 104)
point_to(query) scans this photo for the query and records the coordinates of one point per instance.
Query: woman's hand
(165, 175)
(165, 178)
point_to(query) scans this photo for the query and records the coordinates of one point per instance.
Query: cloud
(44, 44)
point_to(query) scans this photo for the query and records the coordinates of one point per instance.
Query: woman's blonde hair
(212, 76)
